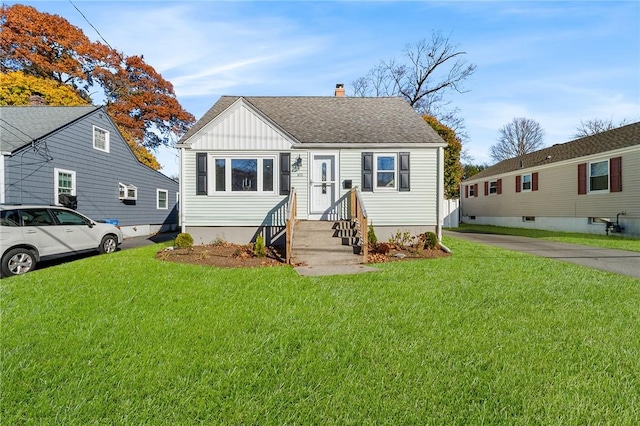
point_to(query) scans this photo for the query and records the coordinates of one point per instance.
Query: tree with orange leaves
(138, 99)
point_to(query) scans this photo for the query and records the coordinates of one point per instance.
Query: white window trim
(472, 192)
(393, 188)
(56, 187)
(166, 199)
(598, 191)
(126, 191)
(496, 187)
(522, 188)
(106, 139)
(227, 175)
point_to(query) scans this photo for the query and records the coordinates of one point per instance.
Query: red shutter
(486, 188)
(518, 183)
(499, 186)
(466, 191)
(534, 181)
(582, 178)
(615, 174)
(475, 190)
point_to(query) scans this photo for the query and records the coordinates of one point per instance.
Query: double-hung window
(526, 182)
(599, 176)
(162, 201)
(100, 139)
(493, 187)
(244, 174)
(64, 183)
(386, 171)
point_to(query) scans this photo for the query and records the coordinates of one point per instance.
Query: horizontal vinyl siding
(415, 207)
(31, 177)
(558, 193)
(300, 181)
(228, 209)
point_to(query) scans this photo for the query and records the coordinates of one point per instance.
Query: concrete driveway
(616, 261)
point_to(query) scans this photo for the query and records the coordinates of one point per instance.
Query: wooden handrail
(292, 215)
(359, 215)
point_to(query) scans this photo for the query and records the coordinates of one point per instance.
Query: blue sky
(557, 62)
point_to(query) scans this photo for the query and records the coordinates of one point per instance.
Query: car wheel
(18, 261)
(109, 244)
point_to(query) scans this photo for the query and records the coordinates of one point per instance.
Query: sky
(556, 62)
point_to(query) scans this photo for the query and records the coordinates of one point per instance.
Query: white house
(244, 159)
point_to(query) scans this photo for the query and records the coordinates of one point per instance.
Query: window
(100, 139)
(472, 192)
(526, 182)
(385, 171)
(127, 192)
(65, 217)
(244, 175)
(528, 218)
(64, 183)
(162, 199)
(493, 187)
(599, 176)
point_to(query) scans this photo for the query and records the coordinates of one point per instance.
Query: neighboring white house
(242, 160)
(578, 186)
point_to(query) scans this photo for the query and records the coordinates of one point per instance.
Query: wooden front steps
(325, 243)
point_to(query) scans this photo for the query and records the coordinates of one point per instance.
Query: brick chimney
(339, 90)
(37, 100)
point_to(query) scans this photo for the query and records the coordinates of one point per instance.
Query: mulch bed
(229, 255)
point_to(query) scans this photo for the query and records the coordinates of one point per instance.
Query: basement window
(528, 218)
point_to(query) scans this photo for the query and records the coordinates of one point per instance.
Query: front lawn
(613, 241)
(486, 336)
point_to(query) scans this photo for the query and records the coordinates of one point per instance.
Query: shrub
(383, 248)
(401, 239)
(430, 240)
(259, 248)
(183, 240)
(371, 236)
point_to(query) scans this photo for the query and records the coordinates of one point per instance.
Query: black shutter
(201, 173)
(285, 173)
(367, 171)
(404, 171)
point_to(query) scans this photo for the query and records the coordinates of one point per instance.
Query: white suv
(31, 233)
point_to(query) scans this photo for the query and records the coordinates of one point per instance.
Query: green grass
(485, 336)
(613, 241)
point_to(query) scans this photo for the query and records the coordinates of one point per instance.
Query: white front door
(323, 183)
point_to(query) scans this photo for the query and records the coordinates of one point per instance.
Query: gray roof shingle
(335, 119)
(20, 125)
(610, 140)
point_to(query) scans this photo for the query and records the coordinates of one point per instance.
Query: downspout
(182, 206)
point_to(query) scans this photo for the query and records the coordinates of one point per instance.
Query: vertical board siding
(557, 194)
(239, 129)
(30, 177)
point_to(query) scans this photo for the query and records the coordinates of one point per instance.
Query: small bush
(371, 236)
(259, 248)
(430, 240)
(183, 240)
(383, 248)
(401, 239)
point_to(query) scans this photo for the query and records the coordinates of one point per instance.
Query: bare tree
(430, 69)
(521, 136)
(595, 126)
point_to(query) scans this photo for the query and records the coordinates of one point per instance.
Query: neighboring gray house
(578, 186)
(78, 151)
(243, 160)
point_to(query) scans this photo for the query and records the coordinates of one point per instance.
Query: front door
(323, 182)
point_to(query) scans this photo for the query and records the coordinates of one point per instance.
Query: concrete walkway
(617, 261)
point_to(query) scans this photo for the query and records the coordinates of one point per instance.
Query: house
(76, 156)
(588, 185)
(244, 160)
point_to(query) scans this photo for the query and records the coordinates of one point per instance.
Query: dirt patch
(238, 256)
(222, 255)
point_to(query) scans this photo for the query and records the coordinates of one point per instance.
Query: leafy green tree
(469, 170)
(452, 166)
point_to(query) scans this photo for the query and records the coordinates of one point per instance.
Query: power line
(85, 18)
